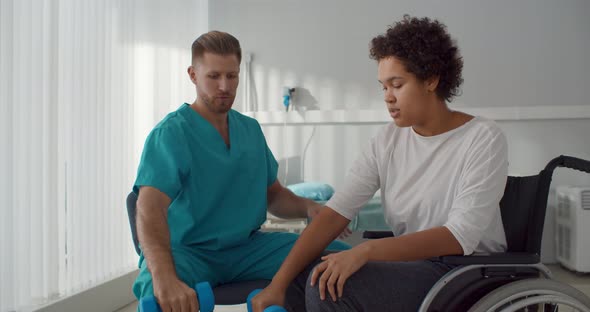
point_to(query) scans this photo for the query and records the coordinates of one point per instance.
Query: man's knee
(189, 270)
(142, 286)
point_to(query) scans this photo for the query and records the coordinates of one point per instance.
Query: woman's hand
(268, 297)
(336, 269)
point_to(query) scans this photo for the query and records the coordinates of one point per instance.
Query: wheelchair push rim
(536, 293)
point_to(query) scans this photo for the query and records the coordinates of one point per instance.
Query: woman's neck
(441, 120)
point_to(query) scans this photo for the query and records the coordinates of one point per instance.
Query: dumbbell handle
(273, 308)
(204, 295)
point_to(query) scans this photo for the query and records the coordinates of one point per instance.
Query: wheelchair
(514, 280)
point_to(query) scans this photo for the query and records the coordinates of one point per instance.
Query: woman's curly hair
(426, 50)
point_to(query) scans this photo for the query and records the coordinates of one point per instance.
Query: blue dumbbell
(204, 295)
(273, 308)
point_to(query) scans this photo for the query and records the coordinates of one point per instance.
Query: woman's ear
(432, 83)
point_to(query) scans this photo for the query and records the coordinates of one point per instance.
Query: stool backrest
(131, 213)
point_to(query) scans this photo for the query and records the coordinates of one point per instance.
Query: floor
(579, 281)
(237, 308)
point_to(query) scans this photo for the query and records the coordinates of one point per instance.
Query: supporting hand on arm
(284, 204)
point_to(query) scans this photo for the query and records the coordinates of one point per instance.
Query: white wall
(528, 52)
(332, 148)
(517, 54)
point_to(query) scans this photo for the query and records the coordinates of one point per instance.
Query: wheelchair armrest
(493, 258)
(487, 258)
(377, 234)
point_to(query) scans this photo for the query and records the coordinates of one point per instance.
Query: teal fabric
(259, 257)
(219, 199)
(312, 190)
(218, 192)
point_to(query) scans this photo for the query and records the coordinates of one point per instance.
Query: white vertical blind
(81, 84)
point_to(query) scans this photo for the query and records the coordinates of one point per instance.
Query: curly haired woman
(441, 174)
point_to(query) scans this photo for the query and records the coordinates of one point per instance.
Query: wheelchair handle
(569, 162)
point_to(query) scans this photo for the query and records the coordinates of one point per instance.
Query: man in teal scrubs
(205, 182)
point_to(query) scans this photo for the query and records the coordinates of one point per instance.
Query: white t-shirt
(455, 179)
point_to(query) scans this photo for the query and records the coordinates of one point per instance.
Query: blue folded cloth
(312, 190)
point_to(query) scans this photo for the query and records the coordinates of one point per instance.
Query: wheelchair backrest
(517, 207)
(524, 204)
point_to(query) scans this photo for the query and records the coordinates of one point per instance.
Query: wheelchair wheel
(536, 294)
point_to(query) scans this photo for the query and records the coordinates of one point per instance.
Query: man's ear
(192, 73)
(432, 83)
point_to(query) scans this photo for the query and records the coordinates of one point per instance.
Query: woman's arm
(337, 268)
(425, 244)
(315, 238)
(325, 227)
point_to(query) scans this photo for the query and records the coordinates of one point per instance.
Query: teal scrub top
(218, 193)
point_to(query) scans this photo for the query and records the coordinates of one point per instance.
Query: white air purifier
(572, 227)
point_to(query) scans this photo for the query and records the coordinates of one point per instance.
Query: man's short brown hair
(216, 42)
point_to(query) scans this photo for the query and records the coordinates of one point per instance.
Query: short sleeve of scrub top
(164, 162)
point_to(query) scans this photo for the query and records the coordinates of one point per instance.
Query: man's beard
(218, 106)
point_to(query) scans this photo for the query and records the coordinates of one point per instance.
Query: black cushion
(493, 258)
(236, 293)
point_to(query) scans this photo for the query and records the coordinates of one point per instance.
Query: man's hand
(174, 295)
(315, 210)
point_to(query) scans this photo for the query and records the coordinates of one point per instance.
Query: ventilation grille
(564, 237)
(585, 199)
(563, 207)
